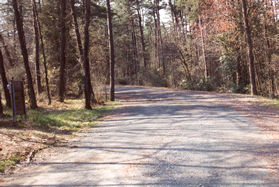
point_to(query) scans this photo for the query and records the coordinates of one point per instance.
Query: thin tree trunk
(43, 51)
(135, 50)
(87, 82)
(1, 107)
(249, 48)
(19, 24)
(183, 25)
(14, 41)
(37, 52)
(268, 53)
(7, 52)
(77, 31)
(156, 44)
(203, 49)
(62, 83)
(141, 36)
(274, 21)
(160, 40)
(174, 13)
(79, 43)
(4, 80)
(183, 60)
(111, 47)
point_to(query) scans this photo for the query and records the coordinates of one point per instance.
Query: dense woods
(71, 48)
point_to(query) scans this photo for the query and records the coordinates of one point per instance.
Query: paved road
(161, 137)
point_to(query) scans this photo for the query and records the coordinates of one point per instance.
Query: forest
(75, 48)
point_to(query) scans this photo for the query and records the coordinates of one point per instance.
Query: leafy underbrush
(204, 84)
(153, 77)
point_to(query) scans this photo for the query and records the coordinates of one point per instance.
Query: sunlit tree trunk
(249, 48)
(19, 24)
(203, 49)
(159, 33)
(111, 48)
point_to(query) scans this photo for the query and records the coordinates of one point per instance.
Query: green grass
(66, 120)
(275, 102)
(54, 119)
(8, 163)
(63, 120)
(272, 101)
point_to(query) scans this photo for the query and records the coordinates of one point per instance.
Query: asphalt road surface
(161, 137)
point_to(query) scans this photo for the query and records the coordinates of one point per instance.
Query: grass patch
(276, 102)
(272, 101)
(9, 163)
(66, 120)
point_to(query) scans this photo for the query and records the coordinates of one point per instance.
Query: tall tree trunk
(249, 48)
(273, 18)
(135, 50)
(43, 52)
(87, 82)
(184, 31)
(14, 42)
(160, 40)
(62, 83)
(4, 80)
(174, 14)
(203, 49)
(7, 52)
(19, 24)
(141, 36)
(1, 107)
(156, 44)
(37, 52)
(77, 31)
(79, 43)
(111, 48)
(268, 53)
(186, 67)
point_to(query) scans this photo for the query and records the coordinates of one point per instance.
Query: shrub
(206, 84)
(188, 84)
(239, 89)
(152, 78)
(122, 81)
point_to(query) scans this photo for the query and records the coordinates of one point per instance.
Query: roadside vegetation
(47, 126)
